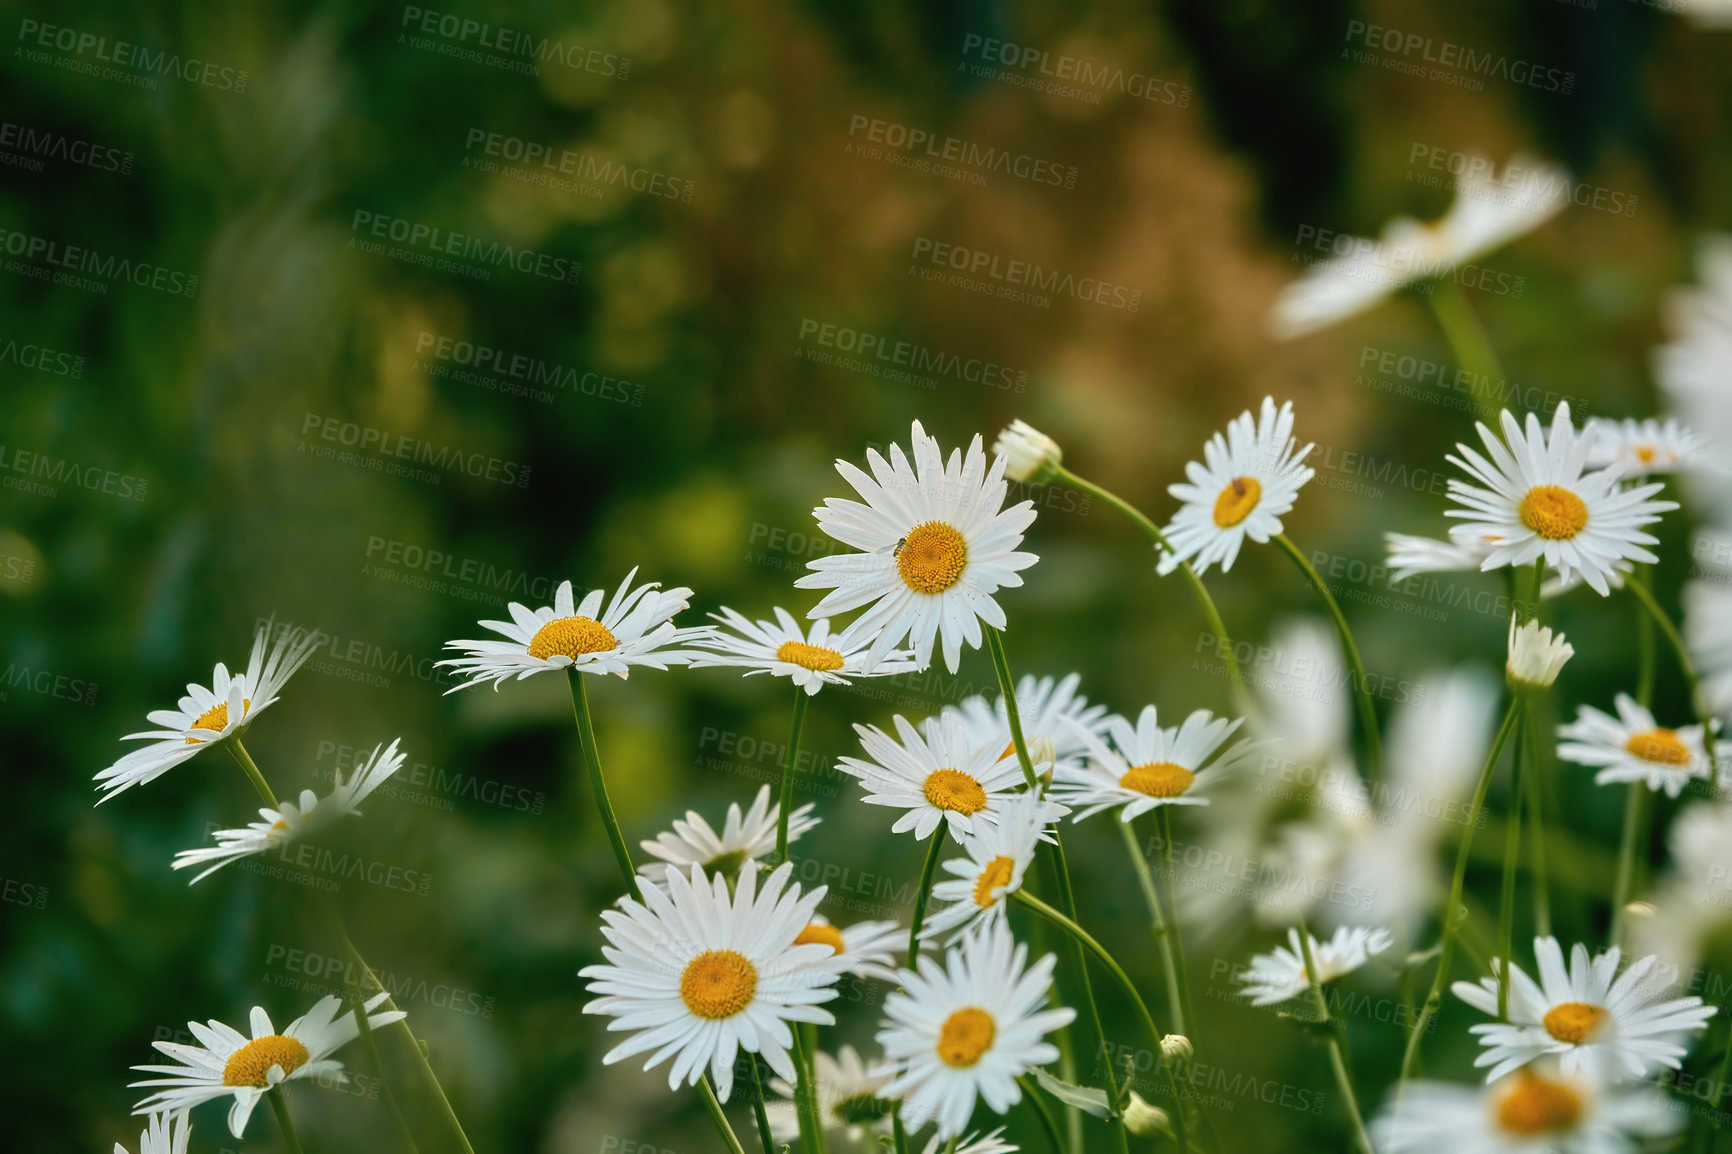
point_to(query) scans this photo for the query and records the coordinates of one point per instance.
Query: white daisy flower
(1411, 556)
(636, 629)
(206, 717)
(1612, 1028)
(166, 1134)
(1691, 903)
(850, 1099)
(1534, 500)
(975, 1143)
(1631, 747)
(968, 1029)
(698, 974)
(866, 949)
(1708, 633)
(745, 837)
(1536, 654)
(1047, 709)
(1691, 368)
(1276, 977)
(1146, 766)
(781, 648)
(1248, 479)
(1642, 447)
(226, 1062)
(936, 543)
(998, 856)
(941, 775)
(1030, 455)
(291, 822)
(1529, 1112)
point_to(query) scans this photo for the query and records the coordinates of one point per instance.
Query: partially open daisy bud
(1146, 1121)
(1041, 751)
(1176, 1048)
(1032, 455)
(1536, 654)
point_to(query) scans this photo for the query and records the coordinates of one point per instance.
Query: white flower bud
(1535, 655)
(1176, 1047)
(1146, 1121)
(1041, 750)
(1032, 455)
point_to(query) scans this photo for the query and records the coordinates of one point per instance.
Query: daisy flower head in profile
(748, 836)
(226, 1063)
(1247, 480)
(1146, 766)
(811, 659)
(865, 949)
(850, 1100)
(1050, 712)
(1612, 1027)
(1411, 556)
(1276, 977)
(1030, 455)
(209, 716)
(936, 542)
(290, 822)
(998, 856)
(698, 974)
(1631, 747)
(1643, 447)
(1534, 500)
(936, 774)
(636, 628)
(968, 1028)
(164, 1134)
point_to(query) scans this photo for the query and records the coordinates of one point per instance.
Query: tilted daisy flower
(291, 822)
(206, 717)
(1030, 455)
(1642, 447)
(745, 837)
(998, 856)
(938, 775)
(1631, 747)
(699, 974)
(850, 1099)
(227, 1063)
(810, 659)
(936, 543)
(1276, 977)
(1611, 1027)
(635, 629)
(1049, 711)
(1146, 766)
(165, 1134)
(1247, 480)
(1411, 556)
(1534, 500)
(968, 1029)
(976, 1143)
(866, 949)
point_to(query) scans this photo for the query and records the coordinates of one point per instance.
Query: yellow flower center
(954, 790)
(808, 656)
(718, 984)
(965, 1036)
(932, 557)
(1158, 779)
(1572, 1022)
(819, 933)
(571, 637)
(216, 718)
(1659, 745)
(248, 1065)
(1645, 454)
(996, 873)
(1554, 513)
(1236, 501)
(1538, 1106)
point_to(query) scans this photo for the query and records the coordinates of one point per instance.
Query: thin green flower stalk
(1164, 822)
(1636, 809)
(1048, 1124)
(1536, 822)
(1337, 1059)
(714, 1109)
(1685, 666)
(758, 1112)
(1468, 341)
(281, 1109)
(1511, 864)
(788, 771)
(1158, 924)
(251, 769)
(598, 783)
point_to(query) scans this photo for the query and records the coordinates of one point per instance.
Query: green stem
(1537, 822)
(800, 699)
(357, 1006)
(1511, 866)
(1047, 1122)
(1164, 822)
(762, 1116)
(714, 1108)
(592, 759)
(281, 1109)
(1361, 687)
(1336, 1059)
(1158, 922)
(1685, 666)
(925, 891)
(251, 769)
(1067, 902)
(1636, 813)
(1007, 691)
(1645, 657)
(806, 1097)
(1467, 339)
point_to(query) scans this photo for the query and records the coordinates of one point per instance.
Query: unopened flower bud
(1535, 655)
(1146, 1121)
(1032, 456)
(1041, 751)
(1176, 1047)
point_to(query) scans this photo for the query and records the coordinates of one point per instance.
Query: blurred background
(715, 236)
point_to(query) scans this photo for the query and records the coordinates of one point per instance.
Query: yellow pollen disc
(954, 790)
(215, 718)
(718, 984)
(965, 1036)
(572, 637)
(820, 934)
(932, 557)
(1572, 1022)
(808, 656)
(1158, 779)
(248, 1065)
(1645, 454)
(1538, 1106)
(1659, 745)
(1554, 513)
(996, 873)
(1237, 501)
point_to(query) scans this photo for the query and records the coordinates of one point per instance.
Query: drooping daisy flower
(936, 543)
(941, 775)
(866, 949)
(1410, 556)
(850, 1100)
(1536, 655)
(1631, 747)
(292, 822)
(745, 837)
(1642, 447)
(698, 974)
(1532, 1111)
(1534, 500)
(781, 648)
(998, 856)
(1146, 766)
(975, 1143)
(1611, 1027)
(1248, 479)
(968, 1029)
(1030, 455)
(636, 629)
(206, 717)
(226, 1062)
(1048, 711)
(166, 1134)
(1275, 977)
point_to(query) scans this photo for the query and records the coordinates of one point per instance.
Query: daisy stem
(357, 1003)
(1635, 832)
(251, 769)
(729, 1138)
(1007, 690)
(1453, 913)
(1467, 339)
(1536, 822)
(1336, 1058)
(592, 758)
(924, 892)
(806, 1097)
(281, 1109)
(1146, 879)
(1685, 666)
(1047, 1122)
(763, 1118)
(1164, 821)
(800, 699)
(1512, 843)
(1644, 646)
(1361, 687)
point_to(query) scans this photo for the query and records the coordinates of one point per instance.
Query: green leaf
(1087, 1100)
